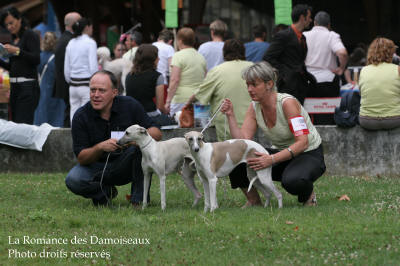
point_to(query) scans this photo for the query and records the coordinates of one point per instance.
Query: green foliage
(362, 231)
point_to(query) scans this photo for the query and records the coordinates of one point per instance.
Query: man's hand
(92, 154)
(338, 71)
(109, 145)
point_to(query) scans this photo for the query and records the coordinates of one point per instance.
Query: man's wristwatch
(17, 52)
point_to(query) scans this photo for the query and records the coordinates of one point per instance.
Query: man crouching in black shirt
(94, 126)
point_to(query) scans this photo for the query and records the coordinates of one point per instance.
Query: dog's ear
(142, 130)
(201, 136)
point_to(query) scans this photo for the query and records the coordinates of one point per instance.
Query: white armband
(298, 126)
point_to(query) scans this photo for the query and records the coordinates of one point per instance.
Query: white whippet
(218, 159)
(162, 158)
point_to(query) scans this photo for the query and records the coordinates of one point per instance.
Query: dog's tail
(188, 164)
(251, 182)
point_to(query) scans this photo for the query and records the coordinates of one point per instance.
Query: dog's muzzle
(196, 149)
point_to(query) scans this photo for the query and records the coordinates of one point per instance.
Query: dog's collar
(147, 144)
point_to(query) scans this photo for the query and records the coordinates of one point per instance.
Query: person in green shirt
(188, 71)
(225, 81)
(380, 87)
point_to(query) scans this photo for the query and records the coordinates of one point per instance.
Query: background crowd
(50, 77)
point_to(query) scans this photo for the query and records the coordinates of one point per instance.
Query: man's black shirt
(89, 129)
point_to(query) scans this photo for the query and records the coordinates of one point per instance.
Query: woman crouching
(297, 159)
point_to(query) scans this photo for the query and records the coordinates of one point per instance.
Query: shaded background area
(357, 21)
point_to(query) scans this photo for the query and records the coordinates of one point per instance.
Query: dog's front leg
(146, 185)
(213, 193)
(206, 191)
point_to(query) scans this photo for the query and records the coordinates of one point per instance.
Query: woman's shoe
(312, 200)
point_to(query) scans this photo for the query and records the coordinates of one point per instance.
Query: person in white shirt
(324, 48)
(133, 40)
(165, 52)
(80, 64)
(212, 50)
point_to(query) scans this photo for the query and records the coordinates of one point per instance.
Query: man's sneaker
(101, 202)
(114, 192)
(106, 201)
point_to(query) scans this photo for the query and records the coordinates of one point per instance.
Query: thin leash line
(102, 176)
(212, 117)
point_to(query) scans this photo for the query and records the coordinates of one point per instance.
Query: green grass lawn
(362, 231)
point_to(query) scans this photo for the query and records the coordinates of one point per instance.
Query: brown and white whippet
(218, 159)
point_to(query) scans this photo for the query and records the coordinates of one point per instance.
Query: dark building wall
(356, 20)
(361, 20)
(124, 13)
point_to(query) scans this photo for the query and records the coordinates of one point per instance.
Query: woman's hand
(167, 107)
(11, 49)
(191, 100)
(262, 161)
(227, 107)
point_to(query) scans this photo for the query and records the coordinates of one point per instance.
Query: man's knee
(72, 182)
(75, 179)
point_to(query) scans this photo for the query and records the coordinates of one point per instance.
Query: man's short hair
(166, 35)
(299, 10)
(137, 37)
(186, 35)
(113, 79)
(322, 19)
(259, 31)
(278, 28)
(219, 28)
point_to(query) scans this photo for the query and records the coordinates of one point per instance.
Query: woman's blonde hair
(49, 41)
(262, 71)
(380, 50)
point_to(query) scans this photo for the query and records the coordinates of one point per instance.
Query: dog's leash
(101, 179)
(212, 117)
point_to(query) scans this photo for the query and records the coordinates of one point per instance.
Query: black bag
(346, 115)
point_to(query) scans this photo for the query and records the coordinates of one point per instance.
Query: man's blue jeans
(125, 168)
